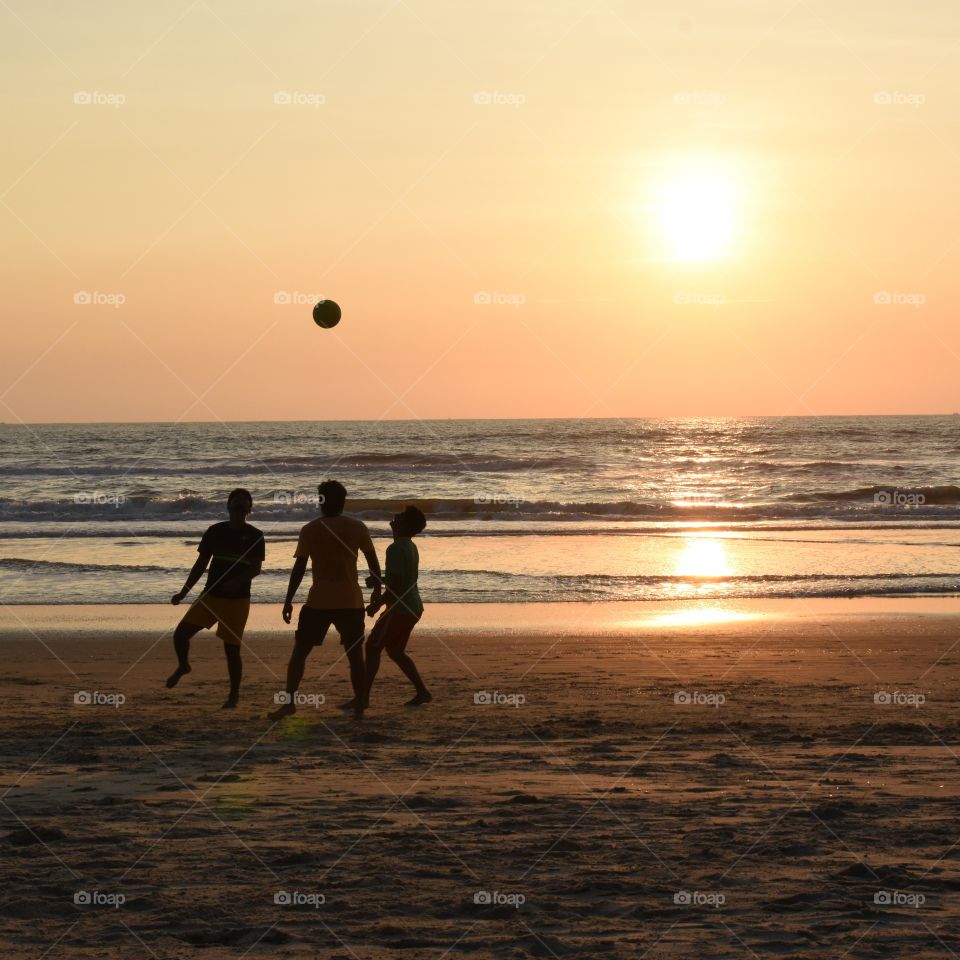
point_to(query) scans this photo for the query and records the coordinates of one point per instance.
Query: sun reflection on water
(703, 557)
(696, 616)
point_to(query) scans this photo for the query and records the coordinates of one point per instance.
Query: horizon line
(753, 416)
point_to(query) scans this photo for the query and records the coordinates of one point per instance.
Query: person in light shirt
(330, 543)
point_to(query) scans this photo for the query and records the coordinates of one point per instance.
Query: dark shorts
(392, 631)
(314, 623)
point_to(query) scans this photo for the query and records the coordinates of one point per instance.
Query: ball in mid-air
(326, 314)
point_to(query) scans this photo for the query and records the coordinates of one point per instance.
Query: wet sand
(677, 785)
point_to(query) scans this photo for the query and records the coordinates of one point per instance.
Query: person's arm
(296, 578)
(196, 572)
(373, 565)
(375, 582)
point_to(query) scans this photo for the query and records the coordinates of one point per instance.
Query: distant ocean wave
(884, 495)
(26, 565)
(88, 583)
(884, 503)
(284, 464)
(40, 566)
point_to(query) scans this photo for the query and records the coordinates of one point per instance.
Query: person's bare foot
(358, 711)
(231, 703)
(350, 704)
(420, 699)
(174, 677)
(284, 710)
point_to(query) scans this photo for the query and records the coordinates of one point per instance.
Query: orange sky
(437, 154)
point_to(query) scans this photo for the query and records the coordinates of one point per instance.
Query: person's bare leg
(372, 663)
(358, 677)
(295, 668)
(181, 646)
(409, 668)
(235, 670)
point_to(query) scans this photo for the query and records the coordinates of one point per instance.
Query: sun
(696, 210)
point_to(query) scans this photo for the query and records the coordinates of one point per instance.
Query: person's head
(239, 503)
(409, 522)
(333, 497)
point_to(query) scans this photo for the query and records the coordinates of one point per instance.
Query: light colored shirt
(332, 544)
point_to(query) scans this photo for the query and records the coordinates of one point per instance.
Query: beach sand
(680, 785)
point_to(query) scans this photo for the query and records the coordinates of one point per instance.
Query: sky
(525, 209)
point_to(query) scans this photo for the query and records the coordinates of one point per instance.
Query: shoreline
(574, 618)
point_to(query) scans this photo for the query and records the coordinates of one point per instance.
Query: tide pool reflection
(696, 616)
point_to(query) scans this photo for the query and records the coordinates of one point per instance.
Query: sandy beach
(769, 781)
(616, 339)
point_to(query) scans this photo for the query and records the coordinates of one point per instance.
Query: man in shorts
(331, 543)
(404, 606)
(235, 551)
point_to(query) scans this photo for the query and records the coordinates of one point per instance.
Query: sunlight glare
(703, 558)
(696, 210)
(697, 616)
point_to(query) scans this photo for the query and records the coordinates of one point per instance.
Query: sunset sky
(556, 209)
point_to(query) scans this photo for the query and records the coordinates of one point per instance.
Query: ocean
(521, 510)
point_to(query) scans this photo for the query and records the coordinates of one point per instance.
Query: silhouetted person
(235, 551)
(331, 544)
(404, 606)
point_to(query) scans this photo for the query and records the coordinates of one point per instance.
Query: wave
(24, 565)
(318, 465)
(884, 504)
(467, 586)
(883, 496)
(615, 578)
(426, 461)
(811, 466)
